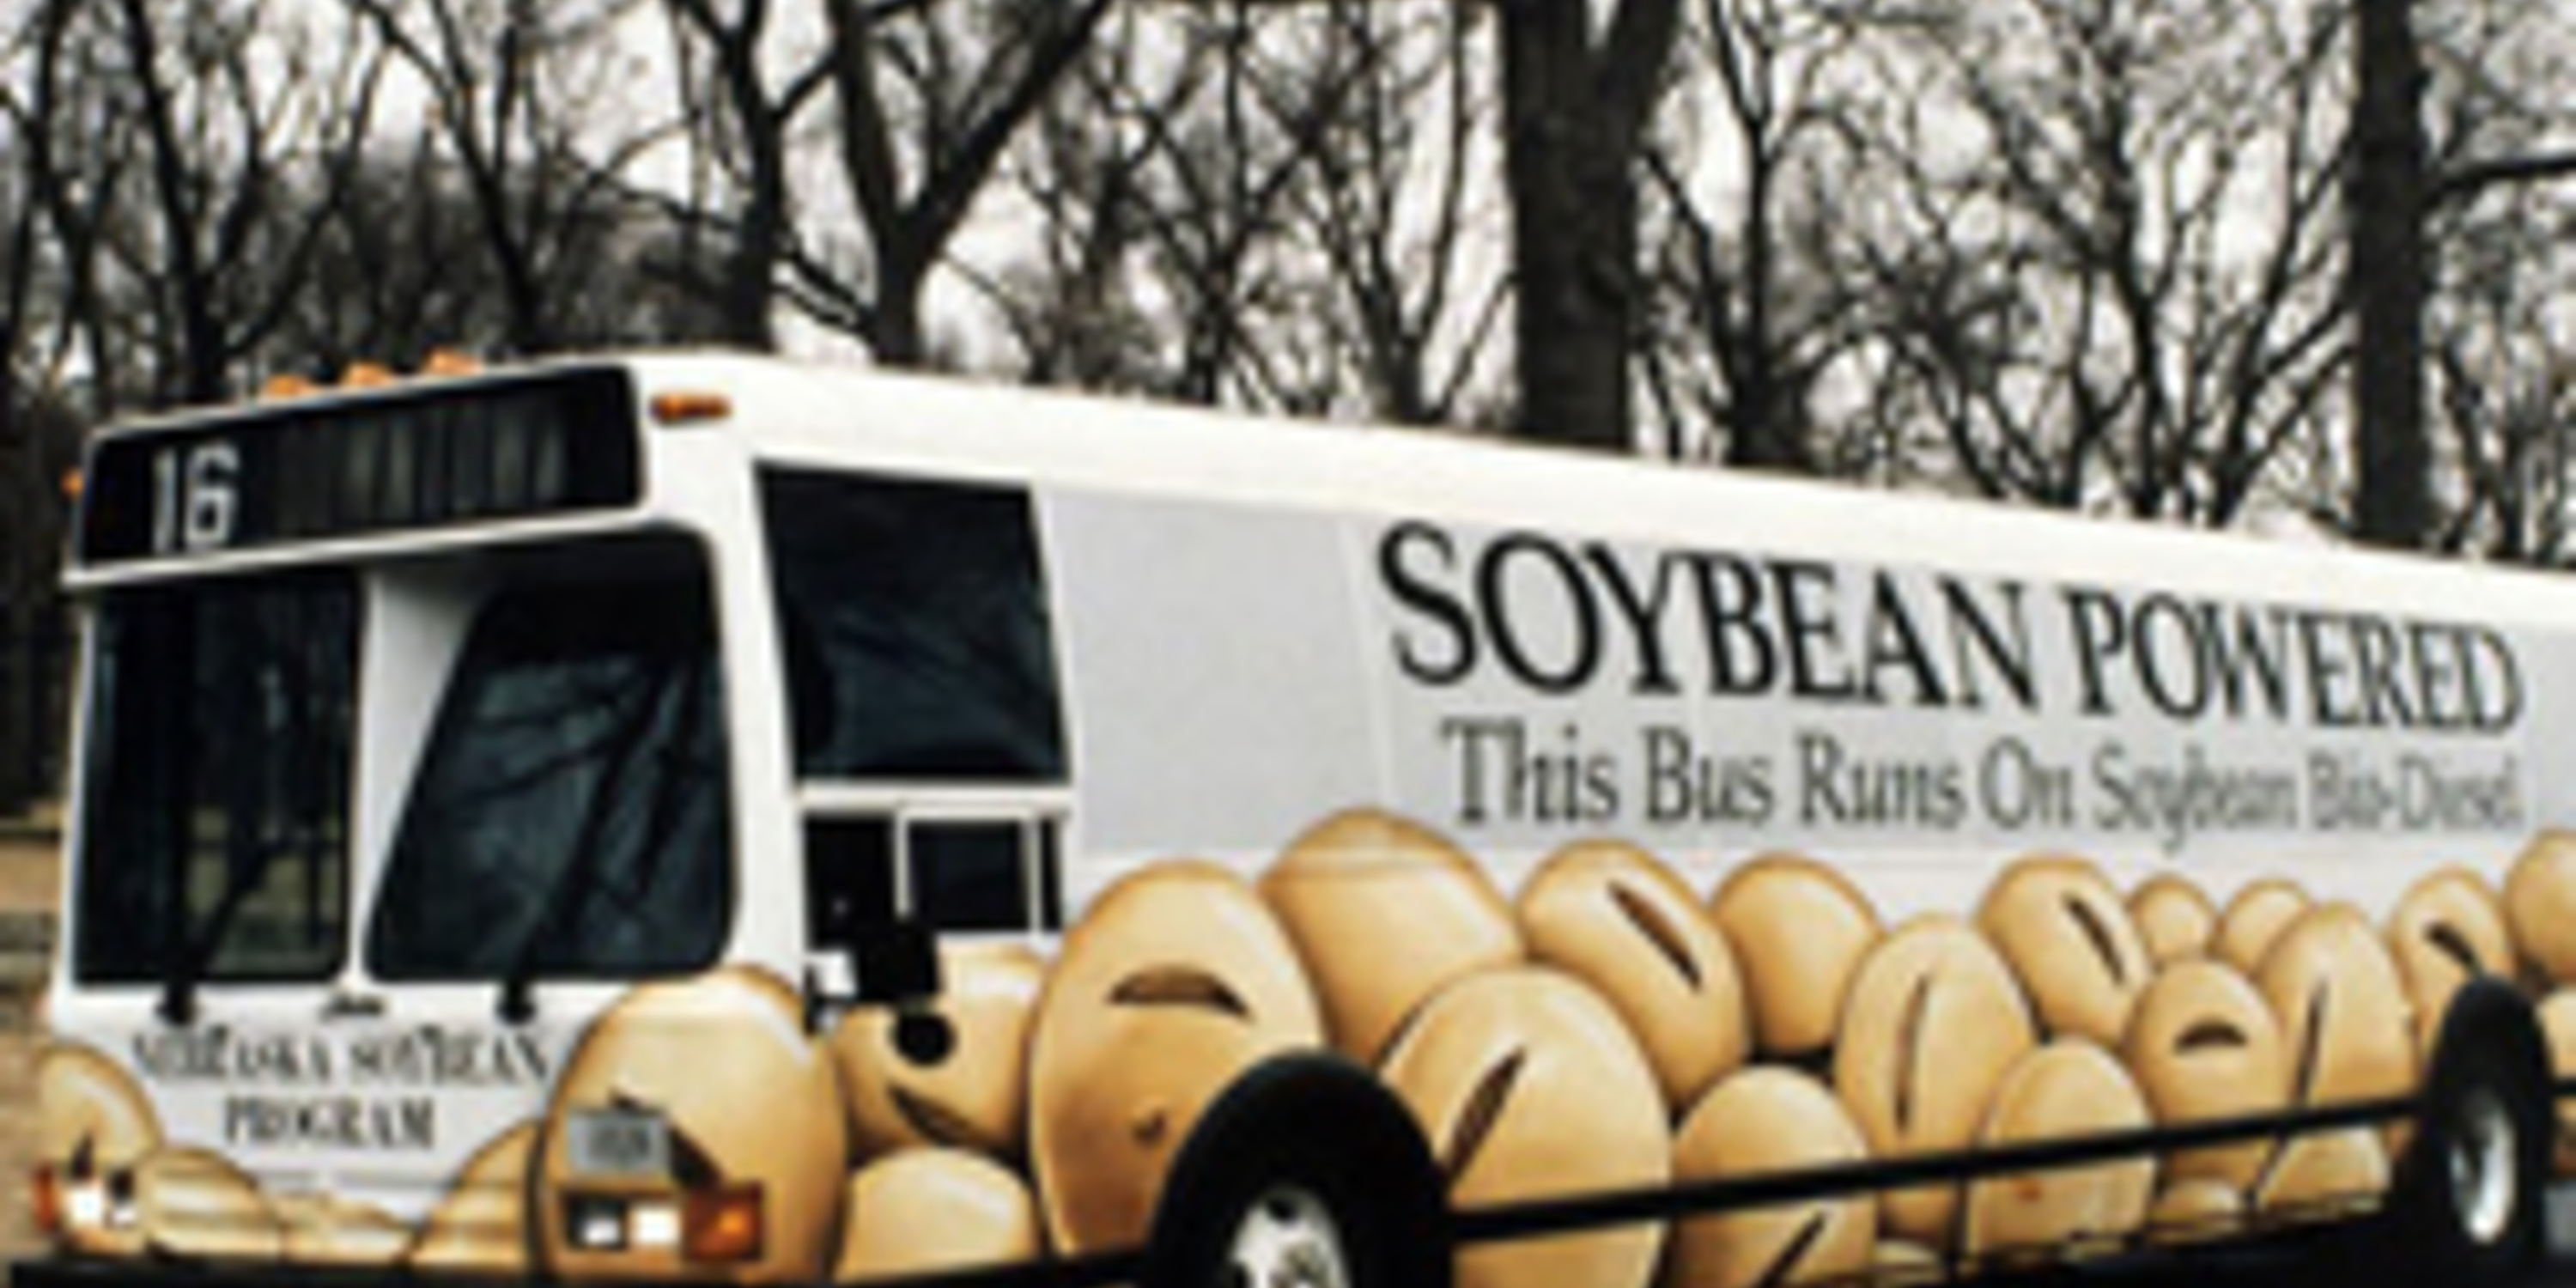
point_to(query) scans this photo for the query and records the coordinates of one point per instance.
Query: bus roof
(847, 417)
(843, 418)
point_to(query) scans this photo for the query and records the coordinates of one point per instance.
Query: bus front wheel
(2472, 1196)
(1305, 1173)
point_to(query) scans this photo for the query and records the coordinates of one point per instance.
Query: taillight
(47, 1193)
(722, 1223)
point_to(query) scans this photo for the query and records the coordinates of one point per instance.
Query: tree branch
(2473, 179)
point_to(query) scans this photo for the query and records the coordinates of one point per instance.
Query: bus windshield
(215, 807)
(570, 818)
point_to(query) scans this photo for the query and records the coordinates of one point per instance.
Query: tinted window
(849, 877)
(963, 874)
(216, 796)
(915, 626)
(971, 876)
(571, 817)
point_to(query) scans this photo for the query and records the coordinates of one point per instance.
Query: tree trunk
(1574, 247)
(1768, 430)
(898, 339)
(749, 288)
(200, 339)
(2388, 274)
(1574, 113)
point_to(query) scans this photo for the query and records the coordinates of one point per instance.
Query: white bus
(683, 817)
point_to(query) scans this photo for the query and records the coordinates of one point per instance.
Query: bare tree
(518, 89)
(1398, 208)
(402, 270)
(1068, 297)
(1262, 207)
(58, 171)
(235, 106)
(743, 119)
(929, 97)
(74, 149)
(30, 181)
(2497, 353)
(1272, 208)
(1231, 135)
(1751, 314)
(1231, 132)
(2503, 370)
(926, 95)
(2114, 287)
(2404, 180)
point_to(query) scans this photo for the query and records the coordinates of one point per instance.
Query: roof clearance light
(285, 384)
(689, 407)
(366, 375)
(450, 362)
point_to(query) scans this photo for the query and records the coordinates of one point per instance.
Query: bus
(694, 817)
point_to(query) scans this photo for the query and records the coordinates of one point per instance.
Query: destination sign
(436, 456)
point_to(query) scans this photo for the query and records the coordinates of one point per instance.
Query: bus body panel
(1527, 687)
(1442, 756)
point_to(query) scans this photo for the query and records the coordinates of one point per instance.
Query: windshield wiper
(624, 748)
(245, 868)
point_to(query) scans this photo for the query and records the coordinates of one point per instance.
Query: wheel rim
(2483, 1180)
(1287, 1239)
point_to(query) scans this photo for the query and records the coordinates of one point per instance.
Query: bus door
(211, 866)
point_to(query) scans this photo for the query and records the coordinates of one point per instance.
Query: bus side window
(969, 874)
(985, 874)
(915, 631)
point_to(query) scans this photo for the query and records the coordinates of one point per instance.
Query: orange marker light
(284, 385)
(47, 1195)
(449, 362)
(366, 375)
(689, 407)
(722, 1224)
(74, 483)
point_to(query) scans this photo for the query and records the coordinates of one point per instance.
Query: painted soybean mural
(1609, 1028)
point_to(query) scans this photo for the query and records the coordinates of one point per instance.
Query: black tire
(2471, 1197)
(1306, 1173)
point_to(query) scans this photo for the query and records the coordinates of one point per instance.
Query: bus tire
(2471, 1197)
(1305, 1173)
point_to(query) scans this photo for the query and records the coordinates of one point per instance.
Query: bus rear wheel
(2472, 1197)
(1306, 1173)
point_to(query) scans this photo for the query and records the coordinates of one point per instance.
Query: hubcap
(1287, 1239)
(2481, 1166)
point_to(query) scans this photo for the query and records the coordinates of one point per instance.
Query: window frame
(801, 652)
(702, 562)
(1044, 819)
